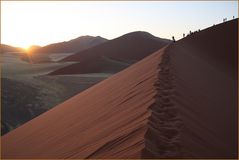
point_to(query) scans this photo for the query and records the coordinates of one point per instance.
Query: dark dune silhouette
(115, 54)
(179, 102)
(74, 45)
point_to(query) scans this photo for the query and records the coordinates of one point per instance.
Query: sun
(26, 48)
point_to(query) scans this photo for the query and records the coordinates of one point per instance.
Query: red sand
(180, 101)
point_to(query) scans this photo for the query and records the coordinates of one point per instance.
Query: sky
(26, 23)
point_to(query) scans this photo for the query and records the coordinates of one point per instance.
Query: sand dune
(27, 91)
(74, 45)
(126, 49)
(102, 65)
(179, 102)
(205, 72)
(131, 46)
(6, 48)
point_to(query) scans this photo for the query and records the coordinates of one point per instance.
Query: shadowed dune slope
(102, 65)
(205, 70)
(201, 73)
(178, 102)
(116, 54)
(131, 46)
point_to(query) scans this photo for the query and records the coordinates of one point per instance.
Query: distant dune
(115, 54)
(38, 54)
(74, 45)
(7, 48)
(179, 102)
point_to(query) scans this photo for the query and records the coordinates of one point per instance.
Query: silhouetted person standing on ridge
(173, 39)
(233, 17)
(183, 35)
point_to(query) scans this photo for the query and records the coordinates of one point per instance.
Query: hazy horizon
(27, 23)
